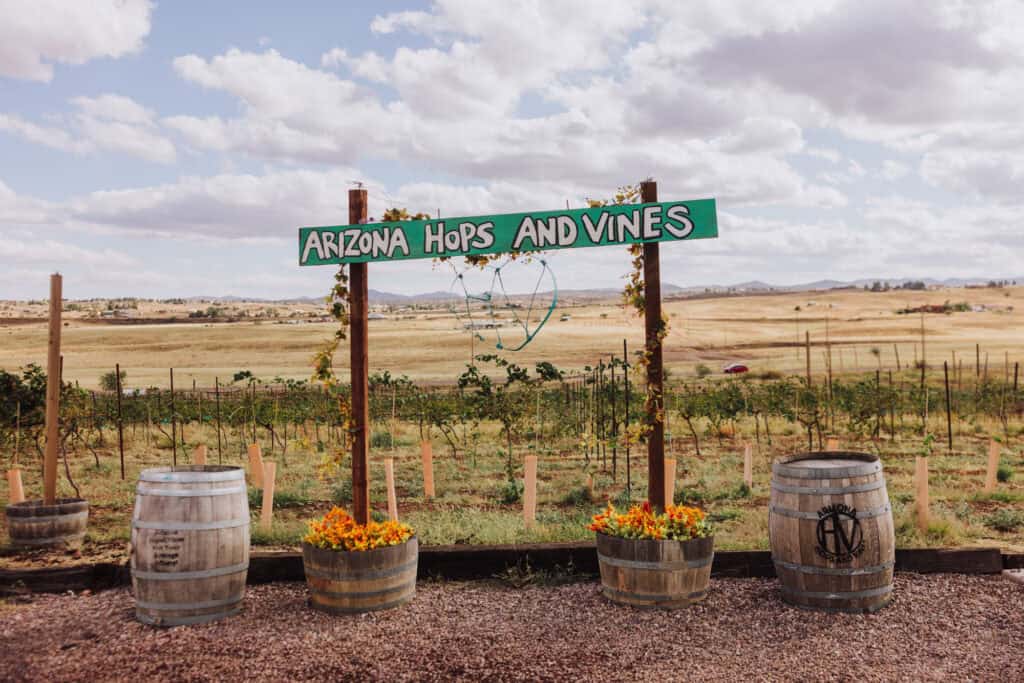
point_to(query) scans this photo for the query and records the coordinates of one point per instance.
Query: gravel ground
(939, 627)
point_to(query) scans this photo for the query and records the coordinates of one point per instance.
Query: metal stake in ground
(359, 340)
(120, 416)
(653, 326)
(52, 393)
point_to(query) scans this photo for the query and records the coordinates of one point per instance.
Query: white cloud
(894, 170)
(105, 123)
(34, 35)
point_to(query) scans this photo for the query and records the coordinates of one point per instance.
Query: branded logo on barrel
(840, 538)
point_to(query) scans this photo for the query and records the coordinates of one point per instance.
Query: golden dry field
(760, 330)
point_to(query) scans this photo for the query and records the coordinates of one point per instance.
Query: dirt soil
(939, 628)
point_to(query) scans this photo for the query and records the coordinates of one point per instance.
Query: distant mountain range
(390, 298)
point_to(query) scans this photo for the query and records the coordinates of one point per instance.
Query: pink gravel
(939, 628)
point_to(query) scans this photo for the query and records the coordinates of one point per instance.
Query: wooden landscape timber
(465, 562)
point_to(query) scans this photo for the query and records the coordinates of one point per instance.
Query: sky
(173, 149)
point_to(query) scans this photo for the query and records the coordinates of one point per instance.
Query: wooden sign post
(530, 491)
(653, 325)
(358, 297)
(52, 393)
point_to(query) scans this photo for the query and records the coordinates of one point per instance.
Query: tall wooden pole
(52, 393)
(655, 374)
(359, 340)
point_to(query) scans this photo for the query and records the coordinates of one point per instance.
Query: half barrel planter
(190, 544)
(654, 574)
(352, 582)
(34, 525)
(831, 531)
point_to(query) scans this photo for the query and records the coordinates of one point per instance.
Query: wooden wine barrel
(33, 524)
(190, 544)
(349, 582)
(654, 574)
(831, 531)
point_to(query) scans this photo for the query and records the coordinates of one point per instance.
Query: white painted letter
(312, 242)
(526, 230)
(681, 214)
(433, 242)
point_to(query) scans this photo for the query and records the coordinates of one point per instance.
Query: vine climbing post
(359, 340)
(655, 375)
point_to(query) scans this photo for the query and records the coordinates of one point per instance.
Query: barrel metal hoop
(190, 526)
(614, 592)
(834, 571)
(191, 477)
(855, 488)
(366, 594)
(183, 576)
(657, 566)
(187, 493)
(862, 470)
(84, 514)
(185, 621)
(358, 610)
(158, 606)
(52, 540)
(853, 595)
(359, 576)
(796, 514)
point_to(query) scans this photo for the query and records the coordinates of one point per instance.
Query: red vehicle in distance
(735, 368)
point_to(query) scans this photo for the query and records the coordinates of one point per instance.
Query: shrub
(510, 492)
(768, 375)
(1004, 473)
(578, 497)
(1005, 520)
(342, 492)
(108, 380)
(381, 440)
(702, 370)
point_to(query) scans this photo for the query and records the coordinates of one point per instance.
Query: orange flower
(337, 530)
(678, 522)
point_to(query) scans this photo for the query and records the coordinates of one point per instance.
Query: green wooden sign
(533, 231)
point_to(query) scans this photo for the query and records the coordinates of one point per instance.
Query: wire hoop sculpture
(496, 298)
